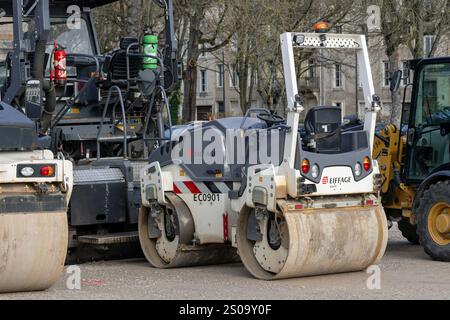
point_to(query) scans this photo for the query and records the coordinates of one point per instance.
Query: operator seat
(323, 129)
(115, 66)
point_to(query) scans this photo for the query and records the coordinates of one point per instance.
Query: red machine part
(60, 65)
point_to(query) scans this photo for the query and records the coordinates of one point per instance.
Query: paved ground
(407, 273)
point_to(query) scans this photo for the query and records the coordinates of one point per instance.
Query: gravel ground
(406, 273)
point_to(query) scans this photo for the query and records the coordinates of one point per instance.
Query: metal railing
(159, 88)
(309, 83)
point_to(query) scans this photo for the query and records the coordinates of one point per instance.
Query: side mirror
(33, 100)
(395, 80)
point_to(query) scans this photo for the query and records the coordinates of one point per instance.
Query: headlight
(315, 171)
(358, 169)
(27, 172)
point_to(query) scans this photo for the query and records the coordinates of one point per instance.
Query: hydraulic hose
(47, 86)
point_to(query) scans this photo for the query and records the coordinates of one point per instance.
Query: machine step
(114, 139)
(97, 175)
(110, 238)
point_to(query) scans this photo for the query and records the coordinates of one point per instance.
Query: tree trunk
(418, 13)
(243, 70)
(134, 18)
(392, 42)
(243, 85)
(191, 75)
(396, 112)
(250, 88)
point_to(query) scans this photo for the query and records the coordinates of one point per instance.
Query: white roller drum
(320, 242)
(33, 250)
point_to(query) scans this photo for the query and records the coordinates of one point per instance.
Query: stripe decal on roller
(190, 187)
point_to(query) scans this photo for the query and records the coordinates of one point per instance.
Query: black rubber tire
(409, 231)
(439, 192)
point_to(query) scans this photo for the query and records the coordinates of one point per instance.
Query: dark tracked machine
(103, 112)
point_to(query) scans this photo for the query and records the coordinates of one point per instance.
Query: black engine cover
(17, 132)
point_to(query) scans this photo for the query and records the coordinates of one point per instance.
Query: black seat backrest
(116, 65)
(323, 120)
(323, 124)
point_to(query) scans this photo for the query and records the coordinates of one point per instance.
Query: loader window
(74, 40)
(6, 45)
(431, 145)
(3, 75)
(433, 97)
(6, 35)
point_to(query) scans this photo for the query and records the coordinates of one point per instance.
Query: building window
(386, 74)
(203, 81)
(340, 105)
(428, 42)
(235, 108)
(234, 78)
(405, 71)
(338, 76)
(221, 107)
(387, 109)
(362, 109)
(204, 113)
(220, 72)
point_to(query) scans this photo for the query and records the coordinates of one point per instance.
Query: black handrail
(249, 111)
(69, 104)
(147, 120)
(102, 122)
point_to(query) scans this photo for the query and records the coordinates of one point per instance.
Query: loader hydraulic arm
(386, 152)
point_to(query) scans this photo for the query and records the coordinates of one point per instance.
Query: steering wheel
(271, 119)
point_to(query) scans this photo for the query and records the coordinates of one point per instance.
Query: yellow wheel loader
(414, 160)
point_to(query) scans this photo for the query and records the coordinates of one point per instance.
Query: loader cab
(82, 48)
(428, 146)
(76, 39)
(78, 36)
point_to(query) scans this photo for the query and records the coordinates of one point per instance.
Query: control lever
(376, 104)
(298, 103)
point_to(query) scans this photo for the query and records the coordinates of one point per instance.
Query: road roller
(35, 183)
(293, 201)
(35, 189)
